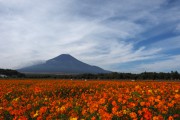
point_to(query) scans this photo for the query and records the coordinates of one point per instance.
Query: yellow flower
(45, 98)
(73, 118)
(16, 99)
(36, 114)
(124, 112)
(150, 91)
(63, 108)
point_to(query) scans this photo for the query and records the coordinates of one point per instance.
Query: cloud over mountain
(116, 35)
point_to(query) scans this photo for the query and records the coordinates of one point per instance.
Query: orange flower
(93, 118)
(133, 115)
(145, 109)
(158, 97)
(147, 115)
(137, 87)
(23, 118)
(155, 118)
(119, 99)
(114, 110)
(42, 110)
(84, 112)
(114, 103)
(10, 108)
(39, 118)
(142, 103)
(37, 89)
(102, 101)
(176, 96)
(140, 112)
(148, 104)
(119, 113)
(67, 99)
(170, 118)
(29, 106)
(131, 104)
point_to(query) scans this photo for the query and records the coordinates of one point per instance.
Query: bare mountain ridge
(63, 64)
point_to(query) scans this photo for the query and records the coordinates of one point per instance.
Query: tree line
(173, 75)
(11, 73)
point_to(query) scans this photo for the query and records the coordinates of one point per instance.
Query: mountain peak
(63, 57)
(63, 63)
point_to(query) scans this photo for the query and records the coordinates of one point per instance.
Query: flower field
(89, 100)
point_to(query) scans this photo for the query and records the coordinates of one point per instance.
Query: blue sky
(118, 35)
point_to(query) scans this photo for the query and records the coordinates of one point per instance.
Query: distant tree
(11, 73)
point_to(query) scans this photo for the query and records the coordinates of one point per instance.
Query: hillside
(63, 64)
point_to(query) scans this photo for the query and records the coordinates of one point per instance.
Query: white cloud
(95, 32)
(177, 29)
(167, 44)
(172, 63)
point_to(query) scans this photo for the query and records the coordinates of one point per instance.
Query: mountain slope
(64, 63)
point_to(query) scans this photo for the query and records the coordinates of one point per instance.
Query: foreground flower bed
(91, 100)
